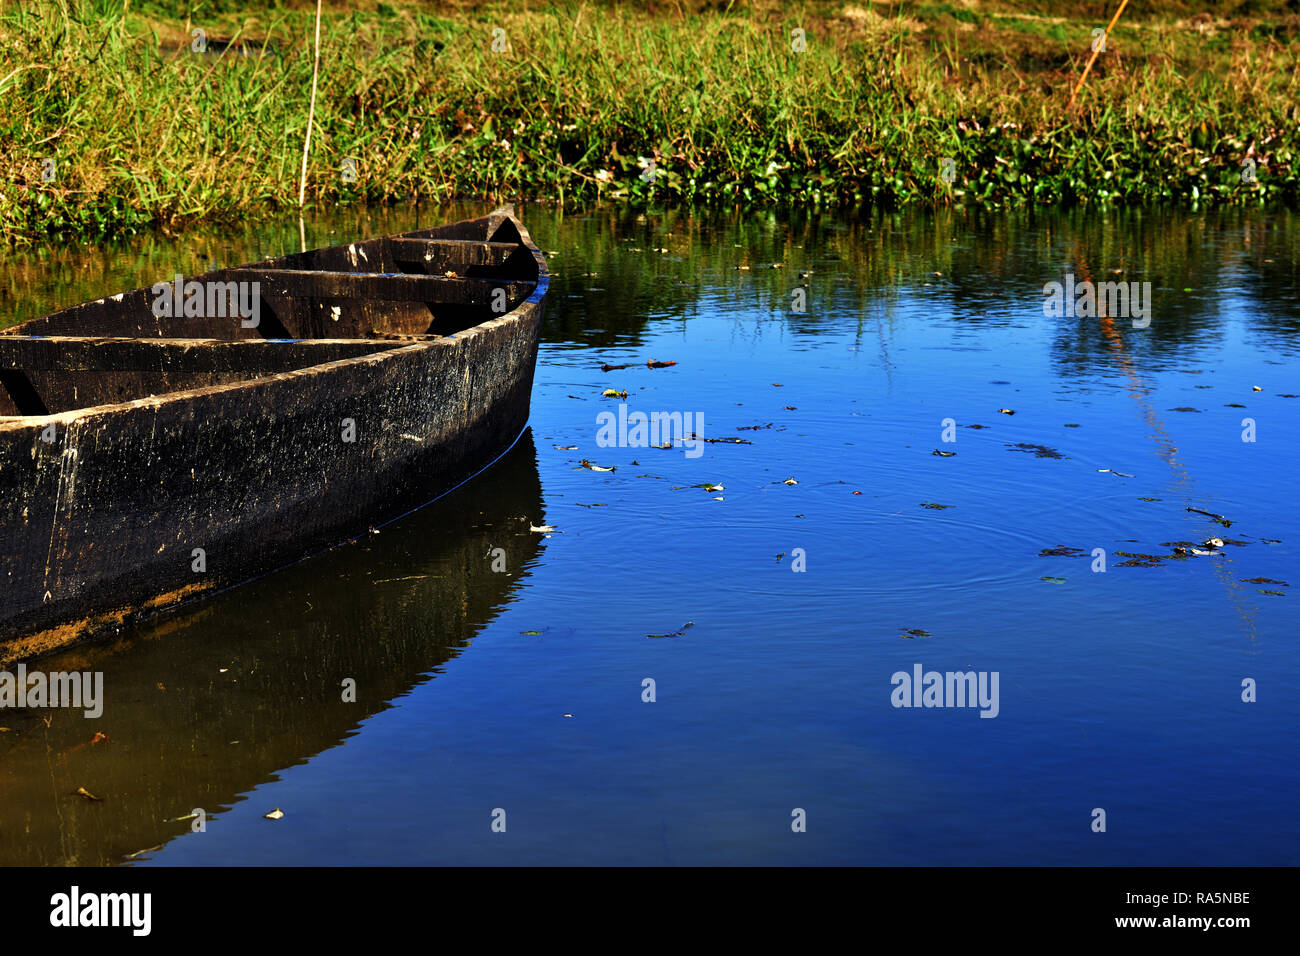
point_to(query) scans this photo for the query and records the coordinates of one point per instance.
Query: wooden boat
(164, 444)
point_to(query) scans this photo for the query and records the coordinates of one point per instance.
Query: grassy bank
(574, 101)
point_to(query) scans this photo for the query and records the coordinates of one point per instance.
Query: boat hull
(140, 507)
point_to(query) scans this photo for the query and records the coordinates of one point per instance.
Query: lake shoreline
(131, 120)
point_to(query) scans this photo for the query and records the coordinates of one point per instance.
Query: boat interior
(272, 316)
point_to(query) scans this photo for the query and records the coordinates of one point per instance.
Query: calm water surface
(523, 690)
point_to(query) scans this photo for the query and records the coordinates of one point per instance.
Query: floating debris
(789, 481)
(1264, 581)
(1072, 425)
(943, 454)
(1234, 405)
(614, 393)
(1006, 411)
(1139, 560)
(566, 447)
(912, 632)
(275, 814)
(592, 466)
(1150, 499)
(651, 363)
(1256, 388)
(976, 427)
(1053, 580)
(1274, 593)
(678, 633)
(707, 486)
(1184, 408)
(925, 504)
(1061, 551)
(714, 441)
(542, 529)
(83, 792)
(1039, 451)
(605, 367)
(140, 853)
(1218, 519)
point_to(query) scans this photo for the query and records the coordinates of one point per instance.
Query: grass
(584, 97)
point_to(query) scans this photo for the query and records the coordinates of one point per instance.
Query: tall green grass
(585, 96)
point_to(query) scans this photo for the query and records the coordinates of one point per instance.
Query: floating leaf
(614, 393)
(275, 814)
(83, 792)
(928, 504)
(594, 467)
(1053, 580)
(789, 481)
(1007, 411)
(943, 454)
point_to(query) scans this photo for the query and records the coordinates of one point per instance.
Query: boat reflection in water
(201, 708)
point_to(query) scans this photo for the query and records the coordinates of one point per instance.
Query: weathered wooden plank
(441, 255)
(396, 286)
(106, 354)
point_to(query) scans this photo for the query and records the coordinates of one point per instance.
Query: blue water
(1119, 690)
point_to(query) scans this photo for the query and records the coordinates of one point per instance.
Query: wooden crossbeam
(455, 255)
(103, 354)
(396, 286)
